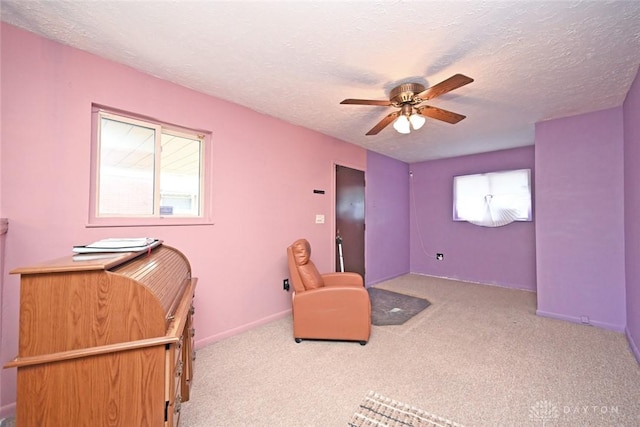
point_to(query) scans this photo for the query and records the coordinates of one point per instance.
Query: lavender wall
(580, 219)
(387, 211)
(503, 256)
(632, 208)
(265, 171)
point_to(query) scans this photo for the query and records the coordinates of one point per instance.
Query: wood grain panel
(163, 275)
(67, 311)
(188, 357)
(75, 393)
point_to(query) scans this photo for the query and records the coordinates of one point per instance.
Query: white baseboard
(575, 319)
(203, 342)
(375, 282)
(7, 411)
(632, 345)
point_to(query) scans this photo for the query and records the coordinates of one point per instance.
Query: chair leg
(298, 340)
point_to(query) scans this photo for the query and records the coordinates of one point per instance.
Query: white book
(118, 245)
(96, 256)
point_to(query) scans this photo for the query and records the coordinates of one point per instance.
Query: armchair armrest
(331, 299)
(342, 279)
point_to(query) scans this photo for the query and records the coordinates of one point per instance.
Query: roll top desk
(105, 340)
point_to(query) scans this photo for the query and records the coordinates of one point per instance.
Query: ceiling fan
(407, 96)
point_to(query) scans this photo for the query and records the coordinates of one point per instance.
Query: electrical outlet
(439, 257)
(285, 285)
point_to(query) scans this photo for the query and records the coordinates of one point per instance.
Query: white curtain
(493, 199)
(495, 213)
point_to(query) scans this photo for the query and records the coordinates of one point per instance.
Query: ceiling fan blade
(383, 123)
(440, 114)
(367, 102)
(453, 82)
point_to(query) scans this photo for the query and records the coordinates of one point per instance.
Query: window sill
(147, 222)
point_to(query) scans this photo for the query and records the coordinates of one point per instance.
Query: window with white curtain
(493, 199)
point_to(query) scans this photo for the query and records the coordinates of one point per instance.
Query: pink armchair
(332, 306)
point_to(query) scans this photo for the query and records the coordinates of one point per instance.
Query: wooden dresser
(105, 342)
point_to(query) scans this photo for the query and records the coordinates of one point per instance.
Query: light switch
(319, 219)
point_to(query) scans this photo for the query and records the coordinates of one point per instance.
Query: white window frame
(155, 219)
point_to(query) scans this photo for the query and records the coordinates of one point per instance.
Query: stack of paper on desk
(118, 245)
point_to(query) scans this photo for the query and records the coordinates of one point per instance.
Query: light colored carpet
(478, 355)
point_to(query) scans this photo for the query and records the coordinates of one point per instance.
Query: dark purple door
(350, 218)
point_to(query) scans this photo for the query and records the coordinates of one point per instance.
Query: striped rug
(380, 411)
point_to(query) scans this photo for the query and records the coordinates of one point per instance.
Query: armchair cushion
(343, 279)
(301, 251)
(311, 279)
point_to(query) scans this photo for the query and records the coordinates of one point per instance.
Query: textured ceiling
(296, 60)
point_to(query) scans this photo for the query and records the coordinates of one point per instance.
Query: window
(147, 173)
(493, 199)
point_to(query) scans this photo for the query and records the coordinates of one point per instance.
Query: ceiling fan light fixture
(416, 121)
(407, 97)
(402, 124)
